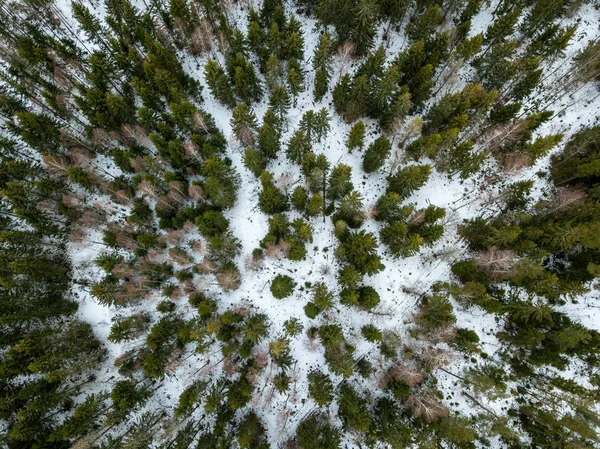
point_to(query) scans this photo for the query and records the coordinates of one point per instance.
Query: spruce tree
(271, 200)
(340, 183)
(356, 136)
(363, 28)
(405, 181)
(320, 388)
(376, 154)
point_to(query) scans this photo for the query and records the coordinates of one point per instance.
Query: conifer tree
(254, 161)
(298, 146)
(425, 24)
(363, 28)
(376, 154)
(321, 84)
(320, 388)
(295, 79)
(280, 102)
(268, 141)
(356, 136)
(359, 250)
(243, 123)
(405, 181)
(339, 182)
(270, 199)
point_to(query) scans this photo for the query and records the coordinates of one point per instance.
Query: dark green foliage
(315, 125)
(298, 146)
(127, 328)
(282, 286)
(243, 78)
(164, 337)
(254, 161)
(239, 393)
(211, 223)
(425, 24)
(353, 409)
(389, 208)
(125, 396)
(376, 154)
(268, 141)
(436, 311)
(315, 432)
(356, 136)
(371, 333)
(368, 297)
(320, 388)
(339, 182)
(299, 198)
(350, 210)
(405, 181)
(359, 250)
(321, 84)
(466, 340)
(252, 433)
(271, 200)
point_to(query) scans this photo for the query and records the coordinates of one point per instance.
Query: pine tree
(315, 432)
(356, 136)
(359, 249)
(384, 90)
(363, 28)
(322, 55)
(341, 94)
(243, 123)
(280, 102)
(425, 24)
(243, 78)
(294, 45)
(295, 79)
(353, 410)
(270, 199)
(315, 125)
(254, 161)
(320, 388)
(315, 205)
(218, 83)
(282, 286)
(251, 433)
(298, 146)
(273, 71)
(299, 198)
(321, 84)
(350, 210)
(340, 183)
(405, 181)
(376, 154)
(268, 141)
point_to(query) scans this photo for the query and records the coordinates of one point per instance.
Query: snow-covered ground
(461, 199)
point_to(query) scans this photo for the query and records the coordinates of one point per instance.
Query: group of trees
(104, 132)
